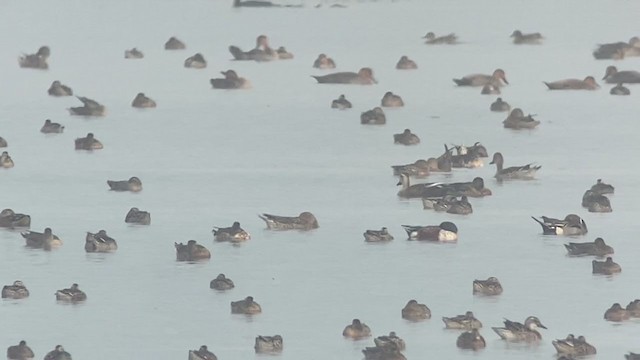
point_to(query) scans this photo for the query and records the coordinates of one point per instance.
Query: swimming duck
(133, 184)
(356, 330)
(15, 291)
(595, 248)
(324, 62)
(517, 120)
(231, 80)
(595, 202)
(471, 340)
(571, 225)
(406, 64)
(202, 354)
(589, 83)
(607, 267)
(490, 89)
(391, 100)
(142, 101)
(448, 39)
(246, 306)
(489, 287)
(530, 39)
(137, 216)
(196, 61)
(100, 242)
(341, 103)
(20, 352)
(632, 356)
(174, 44)
(497, 79)
(601, 187)
(377, 235)
(51, 127)
(3, 142)
(221, 282)
(90, 108)
(390, 341)
(88, 143)
(363, 77)
(268, 344)
(58, 354)
(234, 233)
(191, 252)
(615, 51)
(574, 346)
(620, 90)
(406, 138)
(474, 188)
(37, 60)
(420, 190)
(283, 54)
(462, 322)
(57, 89)
(382, 353)
(133, 54)
(613, 76)
(415, 311)
(515, 331)
(499, 105)
(9, 219)
(261, 52)
(374, 116)
(445, 232)
(634, 308)
(304, 221)
(46, 240)
(616, 313)
(6, 161)
(525, 172)
(72, 294)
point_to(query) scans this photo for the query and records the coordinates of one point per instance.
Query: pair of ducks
(512, 331)
(595, 200)
(23, 351)
(449, 204)
(617, 313)
(261, 52)
(192, 251)
(475, 188)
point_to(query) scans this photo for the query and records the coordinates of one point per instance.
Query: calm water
(212, 157)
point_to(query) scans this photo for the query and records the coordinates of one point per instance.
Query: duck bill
(505, 81)
(374, 80)
(542, 326)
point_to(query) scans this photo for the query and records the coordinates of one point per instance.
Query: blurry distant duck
(490, 89)
(88, 142)
(258, 3)
(283, 53)
(415, 311)
(324, 62)
(374, 116)
(589, 83)
(221, 282)
(617, 313)
(453, 205)
(500, 105)
(37, 60)
(607, 267)
(406, 138)
(58, 354)
(191, 252)
(571, 225)
(634, 308)
(406, 64)
(448, 39)
(3, 142)
(595, 202)
(420, 190)
(5, 160)
(595, 248)
(471, 340)
(620, 90)
(383, 353)
(489, 287)
(304, 221)
(391, 100)
(51, 127)
(390, 341)
(363, 77)
(196, 61)
(573, 346)
(601, 187)
(57, 89)
(100, 242)
(517, 120)
(174, 44)
(632, 356)
(420, 168)
(445, 232)
(246, 306)
(525, 172)
(20, 352)
(90, 108)
(466, 322)
(234, 233)
(356, 330)
(15, 291)
(231, 80)
(46, 240)
(142, 101)
(202, 354)
(515, 331)
(261, 52)
(467, 156)
(10, 219)
(377, 235)
(136, 216)
(613, 76)
(615, 51)
(133, 184)
(531, 38)
(268, 344)
(133, 54)
(72, 294)
(498, 78)
(341, 103)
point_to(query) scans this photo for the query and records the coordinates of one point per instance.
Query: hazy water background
(212, 157)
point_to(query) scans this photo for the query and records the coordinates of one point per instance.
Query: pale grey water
(212, 157)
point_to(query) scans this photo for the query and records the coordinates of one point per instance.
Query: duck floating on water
(573, 346)
(471, 340)
(341, 103)
(88, 143)
(261, 52)
(415, 311)
(571, 225)
(391, 100)
(381, 235)
(174, 44)
(589, 83)
(37, 60)
(517, 120)
(356, 330)
(246, 306)
(90, 108)
(304, 221)
(133, 184)
(10, 219)
(406, 64)
(489, 287)
(445, 232)
(515, 331)
(51, 127)
(234, 233)
(72, 294)
(100, 242)
(268, 344)
(529, 39)
(46, 240)
(613, 76)
(20, 352)
(142, 101)
(202, 354)
(221, 282)
(500, 106)
(230, 81)
(374, 116)
(196, 61)
(617, 313)
(462, 322)
(15, 291)
(406, 138)
(432, 39)
(192, 251)
(607, 267)
(525, 172)
(363, 77)
(58, 89)
(595, 248)
(498, 78)
(324, 62)
(137, 216)
(133, 54)
(58, 354)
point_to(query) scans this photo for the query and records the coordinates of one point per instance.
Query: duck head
(44, 52)
(516, 33)
(533, 322)
(47, 232)
(221, 277)
(478, 183)
(367, 73)
(499, 74)
(7, 212)
(590, 80)
(449, 226)
(230, 75)
(430, 36)
(611, 70)
(134, 180)
(497, 159)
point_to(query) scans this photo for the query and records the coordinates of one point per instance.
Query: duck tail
(236, 52)
(548, 85)
(459, 82)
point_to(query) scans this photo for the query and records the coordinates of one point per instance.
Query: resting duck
(390, 341)
(51, 127)
(57, 89)
(420, 190)
(231, 80)
(634, 308)
(374, 116)
(445, 232)
(100, 242)
(615, 51)
(37, 60)
(620, 90)
(133, 54)
(246, 306)
(383, 353)
(462, 322)
(72, 294)
(490, 89)
(530, 39)
(467, 156)
(58, 354)
(406, 64)
(498, 78)
(525, 172)
(420, 168)
(88, 143)
(221, 282)
(196, 61)
(489, 287)
(283, 54)
(613, 76)
(517, 120)
(234, 233)
(571, 225)
(9, 219)
(137, 216)
(174, 44)
(46, 240)
(262, 51)
(133, 184)
(589, 83)
(573, 346)
(391, 100)
(471, 340)
(595, 248)
(415, 311)
(601, 187)
(202, 354)
(304, 221)
(142, 101)
(500, 106)
(632, 356)
(474, 188)
(341, 103)
(191, 252)
(20, 352)
(363, 77)
(406, 138)
(616, 313)
(450, 204)
(324, 62)
(15, 291)
(268, 344)
(6, 161)
(595, 202)
(90, 108)
(515, 331)
(432, 39)
(607, 267)
(356, 330)
(377, 235)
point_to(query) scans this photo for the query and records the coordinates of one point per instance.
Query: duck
(420, 168)
(500, 106)
(601, 187)
(304, 221)
(15, 291)
(432, 39)
(46, 240)
(133, 184)
(632, 356)
(616, 313)
(142, 101)
(589, 83)
(20, 352)
(11, 219)
(390, 341)
(253, 3)
(462, 322)
(283, 54)
(467, 156)
(498, 78)
(72, 294)
(489, 287)
(356, 330)
(51, 127)
(37, 60)
(137, 216)
(246, 306)
(191, 252)
(57, 89)
(516, 120)
(100, 242)
(620, 90)
(415, 311)
(6, 161)
(595, 202)
(530, 39)
(374, 116)
(490, 89)
(268, 344)
(202, 354)
(615, 51)
(221, 282)
(474, 188)
(634, 308)
(133, 54)
(445, 232)
(377, 235)
(460, 207)
(391, 100)
(382, 353)
(449, 204)
(231, 80)
(58, 354)
(613, 76)
(234, 233)
(515, 331)
(406, 64)
(261, 52)
(571, 225)
(88, 142)
(406, 138)
(596, 248)
(196, 61)
(573, 346)
(324, 62)
(363, 77)
(471, 340)
(90, 108)
(3, 142)
(525, 172)
(607, 267)
(420, 190)
(174, 44)
(341, 103)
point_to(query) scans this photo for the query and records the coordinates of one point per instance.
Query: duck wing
(337, 78)
(514, 326)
